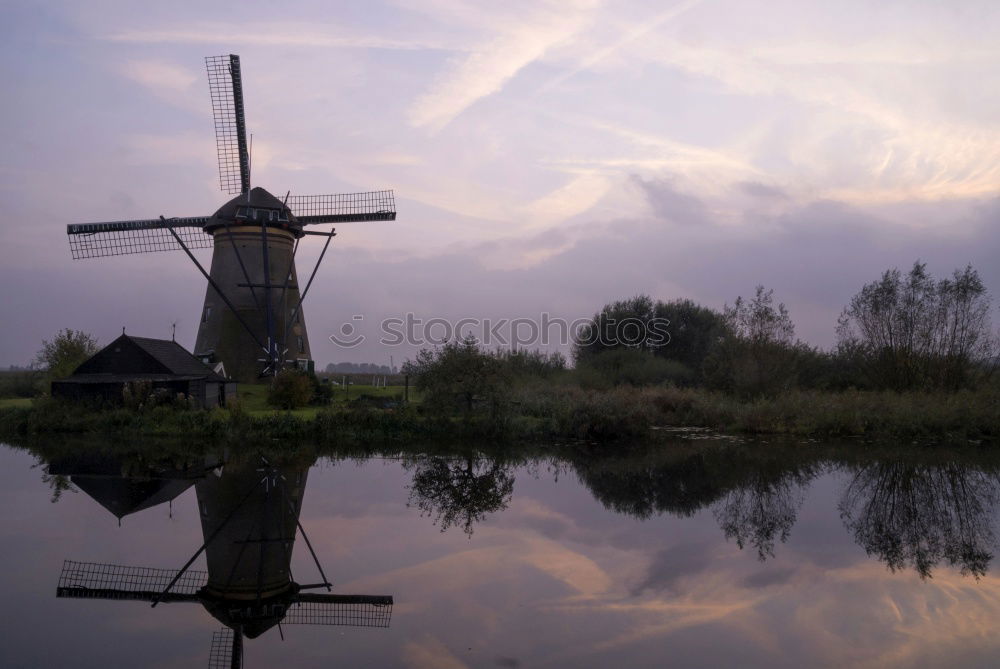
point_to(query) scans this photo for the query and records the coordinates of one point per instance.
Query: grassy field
(15, 402)
(253, 398)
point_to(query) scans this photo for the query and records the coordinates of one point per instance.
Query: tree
(693, 330)
(627, 323)
(67, 351)
(680, 331)
(460, 377)
(914, 332)
(757, 354)
(965, 339)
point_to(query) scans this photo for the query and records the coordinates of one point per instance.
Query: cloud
(488, 68)
(762, 191)
(670, 204)
(273, 35)
(855, 136)
(574, 197)
(637, 31)
(160, 75)
(430, 653)
(671, 565)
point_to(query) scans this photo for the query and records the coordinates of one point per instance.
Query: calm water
(704, 553)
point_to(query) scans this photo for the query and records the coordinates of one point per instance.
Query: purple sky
(546, 157)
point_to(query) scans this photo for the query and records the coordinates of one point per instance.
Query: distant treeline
(901, 332)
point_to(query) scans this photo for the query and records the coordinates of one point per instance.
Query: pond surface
(698, 553)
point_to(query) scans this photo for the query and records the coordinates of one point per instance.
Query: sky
(547, 157)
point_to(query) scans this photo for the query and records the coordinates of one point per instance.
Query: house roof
(130, 358)
(122, 496)
(122, 378)
(173, 356)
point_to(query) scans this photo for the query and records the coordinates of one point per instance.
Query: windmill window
(206, 314)
(302, 345)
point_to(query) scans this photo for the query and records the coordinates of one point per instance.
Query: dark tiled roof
(122, 378)
(173, 356)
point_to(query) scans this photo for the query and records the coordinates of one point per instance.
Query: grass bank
(543, 412)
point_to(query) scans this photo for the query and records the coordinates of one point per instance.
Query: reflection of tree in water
(916, 515)
(680, 484)
(460, 491)
(763, 507)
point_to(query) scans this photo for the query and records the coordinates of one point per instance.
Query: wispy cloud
(430, 653)
(486, 70)
(274, 34)
(853, 139)
(636, 32)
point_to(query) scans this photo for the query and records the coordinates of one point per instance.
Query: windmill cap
(257, 207)
(252, 616)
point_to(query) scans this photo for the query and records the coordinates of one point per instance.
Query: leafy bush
(291, 389)
(633, 367)
(461, 378)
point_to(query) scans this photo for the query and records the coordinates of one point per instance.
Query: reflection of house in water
(249, 515)
(103, 478)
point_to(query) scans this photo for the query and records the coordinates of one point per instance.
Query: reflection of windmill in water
(252, 318)
(249, 516)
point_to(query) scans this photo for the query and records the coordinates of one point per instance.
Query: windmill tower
(252, 319)
(249, 515)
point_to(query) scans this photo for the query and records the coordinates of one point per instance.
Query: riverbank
(546, 413)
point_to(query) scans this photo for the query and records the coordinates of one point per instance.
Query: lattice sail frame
(99, 240)
(362, 613)
(226, 89)
(377, 205)
(220, 654)
(95, 580)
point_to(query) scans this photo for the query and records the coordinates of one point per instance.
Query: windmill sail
(350, 610)
(378, 205)
(95, 580)
(225, 648)
(225, 84)
(117, 238)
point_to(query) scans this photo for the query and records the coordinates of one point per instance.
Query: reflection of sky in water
(555, 579)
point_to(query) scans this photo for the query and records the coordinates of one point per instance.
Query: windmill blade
(225, 648)
(117, 238)
(349, 610)
(377, 205)
(225, 85)
(94, 580)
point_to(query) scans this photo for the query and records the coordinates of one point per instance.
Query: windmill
(249, 515)
(252, 318)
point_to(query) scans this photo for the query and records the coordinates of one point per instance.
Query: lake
(702, 551)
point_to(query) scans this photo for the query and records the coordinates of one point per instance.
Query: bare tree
(914, 332)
